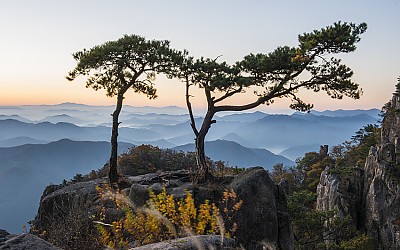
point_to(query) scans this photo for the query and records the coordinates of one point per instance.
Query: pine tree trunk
(203, 170)
(113, 173)
(202, 174)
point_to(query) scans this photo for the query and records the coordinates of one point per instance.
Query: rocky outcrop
(263, 220)
(371, 195)
(206, 242)
(343, 196)
(381, 199)
(23, 242)
(331, 194)
(57, 202)
(175, 182)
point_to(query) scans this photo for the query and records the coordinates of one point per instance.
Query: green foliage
(307, 223)
(278, 72)
(313, 228)
(341, 37)
(311, 166)
(116, 66)
(145, 159)
(292, 175)
(353, 153)
(77, 178)
(362, 241)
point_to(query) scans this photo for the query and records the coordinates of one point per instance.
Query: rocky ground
(23, 242)
(262, 220)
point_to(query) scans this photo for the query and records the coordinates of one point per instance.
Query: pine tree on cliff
(129, 63)
(279, 74)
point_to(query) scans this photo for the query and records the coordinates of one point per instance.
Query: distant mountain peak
(71, 104)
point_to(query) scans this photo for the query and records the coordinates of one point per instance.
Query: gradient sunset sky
(38, 38)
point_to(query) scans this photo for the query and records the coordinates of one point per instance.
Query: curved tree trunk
(203, 174)
(200, 173)
(202, 167)
(113, 173)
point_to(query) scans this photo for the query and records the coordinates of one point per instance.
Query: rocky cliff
(370, 194)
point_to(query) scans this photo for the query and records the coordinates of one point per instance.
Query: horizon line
(159, 107)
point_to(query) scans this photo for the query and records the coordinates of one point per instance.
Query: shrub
(165, 217)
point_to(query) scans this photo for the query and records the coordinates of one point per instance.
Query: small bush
(164, 217)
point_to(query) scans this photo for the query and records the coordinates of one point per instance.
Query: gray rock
(211, 242)
(258, 220)
(331, 194)
(139, 194)
(56, 203)
(285, 233)
(23, 242)
(4, 235)
(382, 203)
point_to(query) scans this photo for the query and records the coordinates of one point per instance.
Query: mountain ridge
(237, 155)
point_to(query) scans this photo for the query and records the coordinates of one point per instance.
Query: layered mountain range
(46, 144)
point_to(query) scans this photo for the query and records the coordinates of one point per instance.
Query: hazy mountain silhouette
(14, 117)
(243, 117)
(341, 121)
(236, 138)
(343, 112)
(237, 155)
(21, 140)
(51, 132)
(153, 118)
(63, 118)
(295, 152)
(286, 131)
(26, 170)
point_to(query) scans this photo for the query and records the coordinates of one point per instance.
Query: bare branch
(189, 106)
(229, 94)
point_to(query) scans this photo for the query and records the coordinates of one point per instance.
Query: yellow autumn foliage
(165, 217)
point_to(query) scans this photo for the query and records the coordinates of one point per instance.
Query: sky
(39, 37)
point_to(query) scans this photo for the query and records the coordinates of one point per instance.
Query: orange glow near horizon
(31, 90)
(171, 94)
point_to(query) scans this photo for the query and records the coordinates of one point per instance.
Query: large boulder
(59, 201)
(66, 213)
(23, 242)
(263, 220)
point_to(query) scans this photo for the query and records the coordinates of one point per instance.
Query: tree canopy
(130, 62)
(278, 74)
